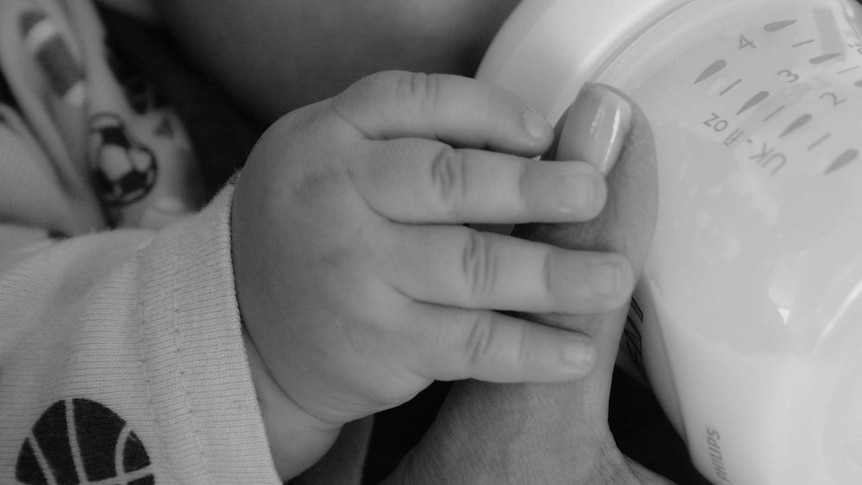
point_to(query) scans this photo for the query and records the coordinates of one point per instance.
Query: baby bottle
(750, 307)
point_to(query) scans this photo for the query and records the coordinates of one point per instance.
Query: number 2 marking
(836, 100)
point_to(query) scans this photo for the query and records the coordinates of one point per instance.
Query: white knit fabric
(121, 354)
(146, 325)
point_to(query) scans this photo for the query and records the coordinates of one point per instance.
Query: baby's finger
(458, 110)
(460, 344)
(461, 267)
(423, 181)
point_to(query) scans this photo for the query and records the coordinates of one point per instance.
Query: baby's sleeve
(122, 359)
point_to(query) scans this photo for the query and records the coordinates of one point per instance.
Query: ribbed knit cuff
(201, 390)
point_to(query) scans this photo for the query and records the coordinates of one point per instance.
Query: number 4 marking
(746, 43)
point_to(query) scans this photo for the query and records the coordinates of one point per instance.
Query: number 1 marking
(819, 142)
(729, 88)
(772, 115)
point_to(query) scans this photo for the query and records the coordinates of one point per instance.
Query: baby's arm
(122, 354)
(357, 281)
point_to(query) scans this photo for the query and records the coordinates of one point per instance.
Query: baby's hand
(357, 281)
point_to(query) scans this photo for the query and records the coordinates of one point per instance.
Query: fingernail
(537, 126)
(606, 278)
(579, 356)
(596, 127)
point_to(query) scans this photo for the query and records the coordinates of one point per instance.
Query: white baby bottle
(751, 300)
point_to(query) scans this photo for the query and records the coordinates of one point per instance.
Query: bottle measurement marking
(768, 157)
(777, 26)
(729, 88)
(824, 58)
(797, 124)
(754, 101)
(713, 69)
(774, 113)
(843, 160)
(819, 141)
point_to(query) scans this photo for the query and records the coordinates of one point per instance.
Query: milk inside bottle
(749, 309)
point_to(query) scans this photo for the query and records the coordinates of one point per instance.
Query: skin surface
(357, 280)
(273, 56)
(553, 433)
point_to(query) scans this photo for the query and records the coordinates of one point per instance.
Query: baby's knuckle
(480, 343)
(548, 276)
(524, 348)
(419, 90)
(448, 179)
(479, 266)
(525, 183)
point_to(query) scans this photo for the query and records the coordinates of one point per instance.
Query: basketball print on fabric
(81, 442)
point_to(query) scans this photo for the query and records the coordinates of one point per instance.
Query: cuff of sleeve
(198, 375)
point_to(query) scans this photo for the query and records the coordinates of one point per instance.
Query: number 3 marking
(788, 75)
